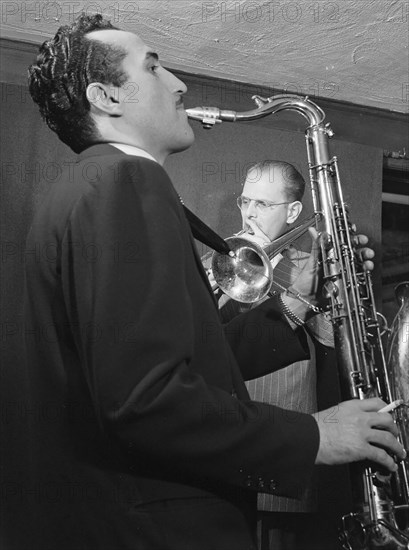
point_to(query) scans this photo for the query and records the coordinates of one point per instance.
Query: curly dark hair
(65, 66)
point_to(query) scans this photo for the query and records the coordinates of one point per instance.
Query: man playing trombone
(270, 204)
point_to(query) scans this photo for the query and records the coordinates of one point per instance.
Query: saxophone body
(358, 329)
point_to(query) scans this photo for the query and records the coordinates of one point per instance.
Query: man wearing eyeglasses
(270, 204)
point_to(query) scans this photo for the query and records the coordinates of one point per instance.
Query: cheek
(272, 228)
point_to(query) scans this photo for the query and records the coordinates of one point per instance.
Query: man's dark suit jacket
(143, 435)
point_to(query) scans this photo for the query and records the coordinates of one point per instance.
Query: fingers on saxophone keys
(364, 253)
(359, 240)
(382, 458)
(383, 435)
(372, 404)
(386, 450)
(363, 257)
(382, 423)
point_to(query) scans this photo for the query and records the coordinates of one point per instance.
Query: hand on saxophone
(355, 430)
(308, 281)
(363, 253)
(306, 284)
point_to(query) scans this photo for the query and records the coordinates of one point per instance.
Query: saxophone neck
(209, 116)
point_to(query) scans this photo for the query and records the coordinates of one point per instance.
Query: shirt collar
(133, 150)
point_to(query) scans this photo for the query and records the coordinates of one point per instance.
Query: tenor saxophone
(377, 522)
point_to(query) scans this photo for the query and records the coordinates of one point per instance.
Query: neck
(113, 135)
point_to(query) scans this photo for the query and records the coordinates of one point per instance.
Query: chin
(184, 141)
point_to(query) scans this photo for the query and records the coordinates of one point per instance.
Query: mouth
(179, 104)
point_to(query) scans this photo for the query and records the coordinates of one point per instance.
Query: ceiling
(354, 51)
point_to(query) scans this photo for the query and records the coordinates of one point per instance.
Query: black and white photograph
(204, 275)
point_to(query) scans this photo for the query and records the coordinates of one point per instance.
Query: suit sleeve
(260, 337)
(124, 281)
(320, 328)
(263, 342)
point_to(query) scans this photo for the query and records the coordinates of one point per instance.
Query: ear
(105, 98)
(293, 211)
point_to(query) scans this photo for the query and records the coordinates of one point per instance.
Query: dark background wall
(208, 177)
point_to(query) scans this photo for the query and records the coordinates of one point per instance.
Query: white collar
(133, 150)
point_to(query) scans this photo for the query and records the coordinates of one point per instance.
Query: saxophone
(377, 522)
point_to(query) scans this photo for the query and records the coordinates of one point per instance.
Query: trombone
(246, 275)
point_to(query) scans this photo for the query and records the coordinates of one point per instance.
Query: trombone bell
(246, 276)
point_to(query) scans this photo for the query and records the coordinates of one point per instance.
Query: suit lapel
(200, 266)
(105, 149)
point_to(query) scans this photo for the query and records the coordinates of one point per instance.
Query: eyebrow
(151, 55)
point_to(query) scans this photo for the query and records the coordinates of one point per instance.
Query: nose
(174, 84)
(251, 211)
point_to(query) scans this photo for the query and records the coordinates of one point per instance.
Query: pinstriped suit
(293, 387)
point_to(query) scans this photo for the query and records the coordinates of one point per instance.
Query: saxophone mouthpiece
(196, 113)
(209, 116)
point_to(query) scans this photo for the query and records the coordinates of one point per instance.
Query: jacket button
(272, 485)
(260, 483)
(249, 481)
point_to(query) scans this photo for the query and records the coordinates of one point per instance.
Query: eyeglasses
(244, 202)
